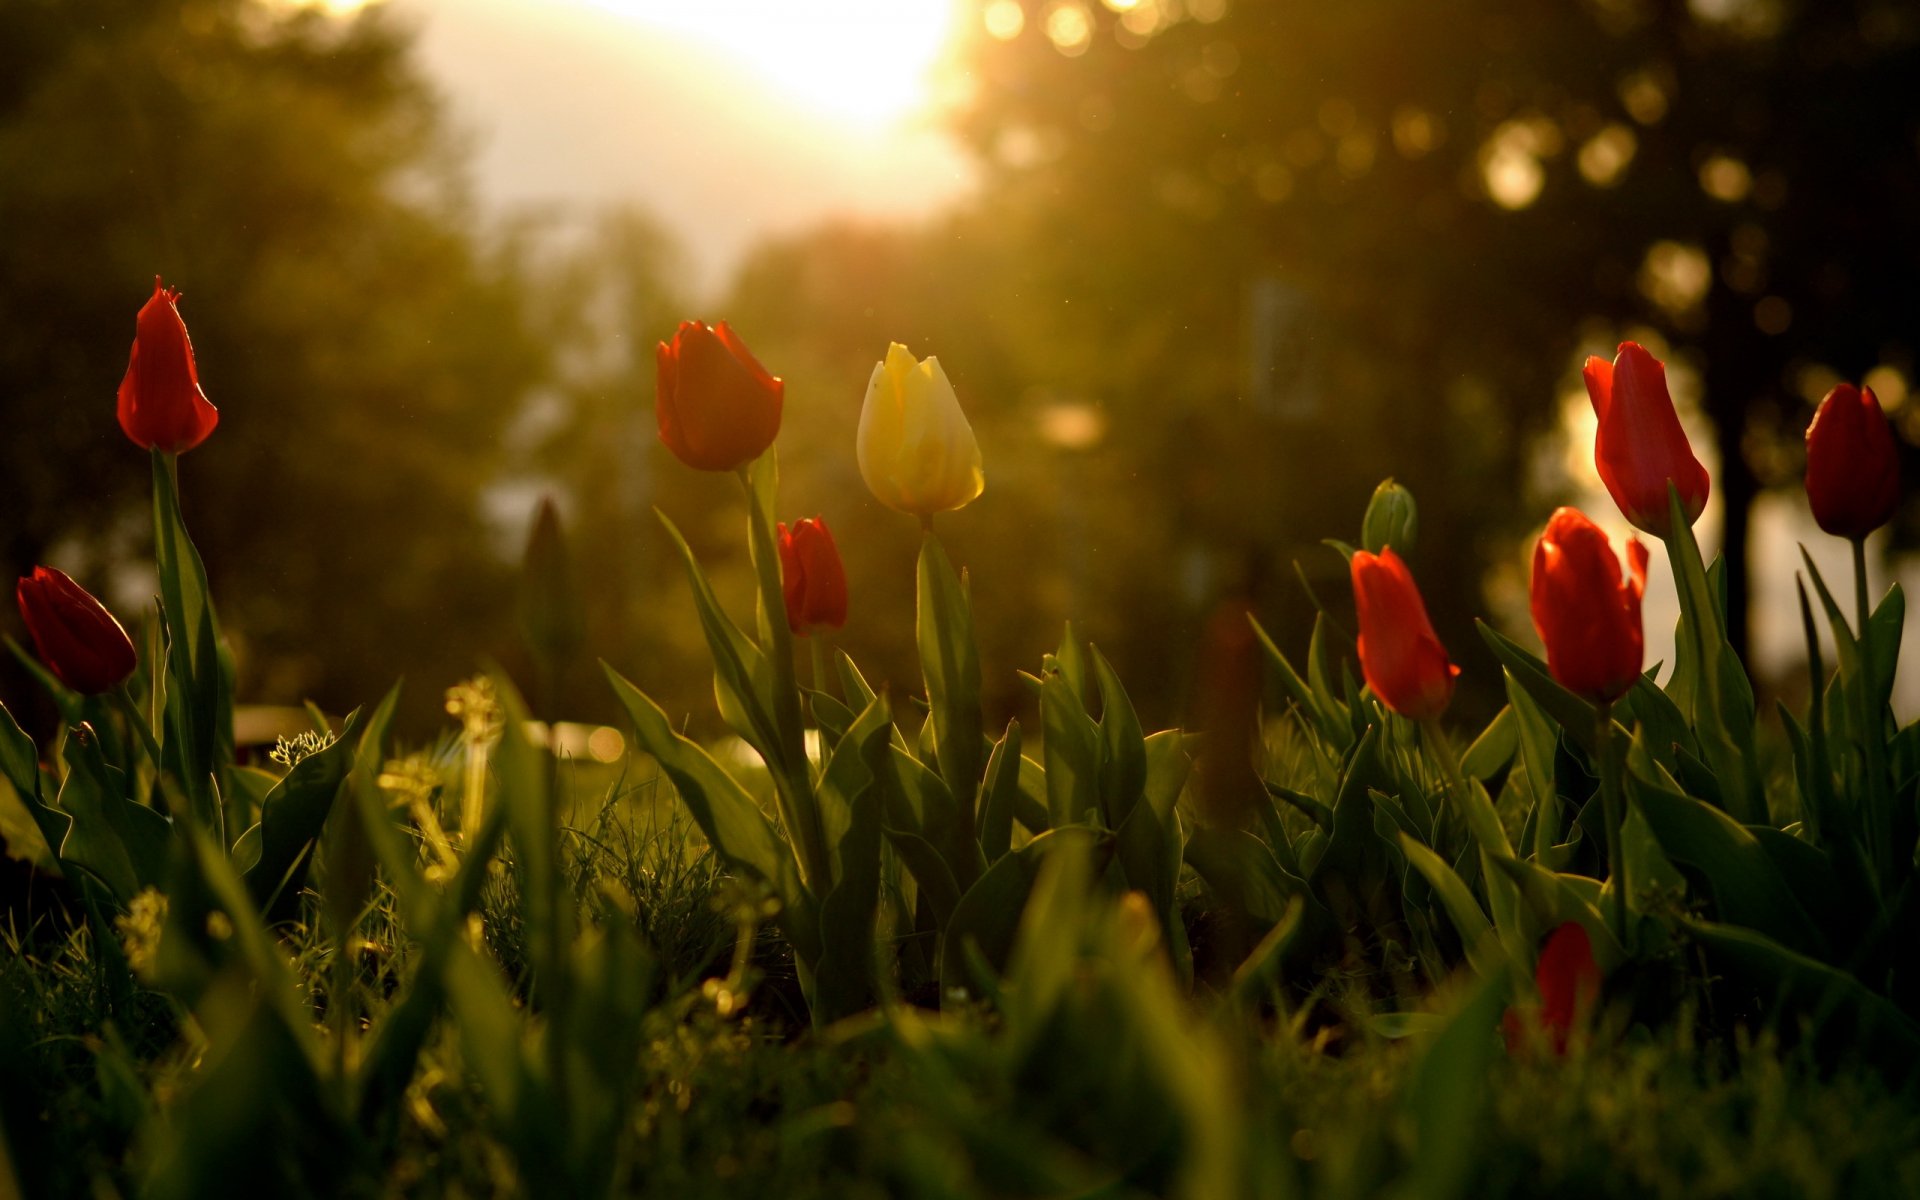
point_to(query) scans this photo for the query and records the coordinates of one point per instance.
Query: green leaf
(988, 916)
(1723, 699)
(1469, 920)
(1242, 873)
(272, 857)
(1123, 759)
(94, 794)
(930, 871)
(738, 831)
(916, 801)
(1449, 1094)
(20, 763)
(742, 676)
(1071, 748)
(950, 662)
(844, 975)
(1747, 888)
(199, 702)
(1169, 763)
(1494, 748)
(1805, 987)
(1332, 727)
(1000, 794)
(1572, 713)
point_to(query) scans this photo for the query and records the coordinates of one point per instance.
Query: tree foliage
(294, 176)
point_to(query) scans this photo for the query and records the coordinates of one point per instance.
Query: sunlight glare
(866, 62)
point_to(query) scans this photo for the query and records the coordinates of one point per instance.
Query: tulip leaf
(1723, 710)
(988, 917)
(1149, 851)
(272, 857)
(1450, 1091)
(1494, 748)
(1572, 713)
(1748, 889)
(739, 832)
(999, 794)
(1123, 759)
(199, 702)
(1469, 920)
(1666, 728)
(96, 840)
(1070, 745)
(950, 663)
(1802, 985)
(742, 677)
(1331, 727)
(1242, 873)
(20, 763)
(844, 975)
(848, 771)
(1169, 763)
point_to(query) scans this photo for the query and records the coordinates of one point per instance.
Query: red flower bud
(1587, 614)
(78, 640)
(1853, 467)
(1401, 657)
(1640, 446)
(161, 404)
(718, 408)
(1569, 983)
(812, 577)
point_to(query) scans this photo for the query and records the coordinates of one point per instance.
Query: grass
(1092, 1080)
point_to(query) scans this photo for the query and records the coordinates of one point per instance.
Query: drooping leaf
(739, 832)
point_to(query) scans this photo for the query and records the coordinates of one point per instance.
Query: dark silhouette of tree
(292, 175)
(1293, 248)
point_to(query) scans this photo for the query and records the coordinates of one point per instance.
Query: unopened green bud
(1392, 520)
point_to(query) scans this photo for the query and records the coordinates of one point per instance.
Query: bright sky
(868, 62)
(732, 120)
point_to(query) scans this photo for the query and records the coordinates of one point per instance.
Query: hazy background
(1203, 272)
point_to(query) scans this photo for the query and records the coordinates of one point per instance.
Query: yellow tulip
(916, 450)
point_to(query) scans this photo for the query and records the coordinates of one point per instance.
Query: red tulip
(161, 404)
(1569, 983)
(1853, 467)
(1587, 614)
(812, 577)
(718, 408)
(1401, 657)
(1640, 446)
(77, 638)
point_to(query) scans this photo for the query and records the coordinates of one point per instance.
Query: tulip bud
(1392, 519)
(161, 405)
(916, 450)
(1853, 467)
(1569, 983)
(718, 408)
(1639, 447)
(1587, 614)
(812, 578)
(77, 638)
(1401, 657)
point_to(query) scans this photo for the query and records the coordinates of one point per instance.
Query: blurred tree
(1293, 248)
(291, 173)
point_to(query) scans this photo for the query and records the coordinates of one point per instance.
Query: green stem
(1861, 607)
(131, 711)
(1613, 805)
(792, 777)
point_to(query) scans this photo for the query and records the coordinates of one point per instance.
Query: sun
(866, 63)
